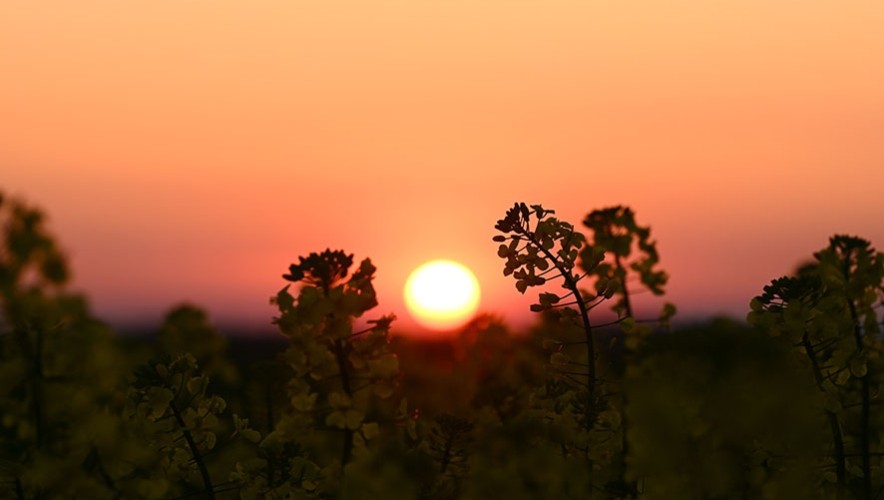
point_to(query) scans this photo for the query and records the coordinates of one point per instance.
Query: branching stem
(341, 357)
(208, 488)
(571, 286)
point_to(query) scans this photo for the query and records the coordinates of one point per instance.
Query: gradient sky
(191, 150)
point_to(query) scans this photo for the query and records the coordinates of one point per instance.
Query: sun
(442, 294)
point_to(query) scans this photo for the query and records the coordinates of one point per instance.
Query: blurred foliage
(584, 398)
(59, 372)
(618, 248)
(338, 408)
(186, 330)
(829, 314)
(720, 411)
(343, 392)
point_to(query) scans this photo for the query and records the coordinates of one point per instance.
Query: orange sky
(191, 150)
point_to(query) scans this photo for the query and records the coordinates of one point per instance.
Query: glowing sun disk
(442, 294)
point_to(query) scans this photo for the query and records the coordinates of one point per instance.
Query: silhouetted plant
(616, 234)
(714, 412)
(179, 422)
(448, 442)
(627, 252)
(186, 330)
(545, 252)
(31, 265)
(539, 248)
(828, 312)
(344, 381)
(59, 370)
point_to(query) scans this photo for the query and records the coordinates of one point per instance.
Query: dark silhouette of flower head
(323, 270)
(516, 217)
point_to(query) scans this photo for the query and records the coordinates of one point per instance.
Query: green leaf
(336, 419)
(387, 366)
(251, 435)
(339, 400)
(345, 419)
(755, 305)
(669, 311)
(354, 419)
(550, 344)
(548, 299)
(209, 440)
(628, 324)
(370, 430)
(558, 358)
(304, 402)
(158, 400)
(858, 367)
(284, 299)
(383, 389)
(196, 385)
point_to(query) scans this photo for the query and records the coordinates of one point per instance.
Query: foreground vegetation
(626, 408)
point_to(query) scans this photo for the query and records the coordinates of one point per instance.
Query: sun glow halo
(442, 294)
